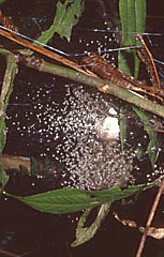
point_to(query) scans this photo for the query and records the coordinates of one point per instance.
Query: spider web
(29, 112)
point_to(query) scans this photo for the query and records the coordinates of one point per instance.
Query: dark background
(26, 232)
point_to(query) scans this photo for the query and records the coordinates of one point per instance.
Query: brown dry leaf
(14, 162)
(157, 233)
(7, 22)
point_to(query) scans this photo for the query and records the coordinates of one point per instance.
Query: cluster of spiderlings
(64, 129)
(61, 121)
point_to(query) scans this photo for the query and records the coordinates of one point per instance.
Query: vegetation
(133, 21)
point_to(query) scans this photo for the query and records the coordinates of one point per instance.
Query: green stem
(98, 83)
(9, 76)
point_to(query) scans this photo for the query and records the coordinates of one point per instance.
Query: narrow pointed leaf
(133, 19)
(72, 200)
(123, 126)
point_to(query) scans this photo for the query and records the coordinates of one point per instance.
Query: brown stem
(41, 50)
(151, 215)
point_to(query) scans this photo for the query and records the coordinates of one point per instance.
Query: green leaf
(2, 134)
(123, 126)
(4, 177)
(47, 167)
(139, 152)
(35, 167)
(84, 234)
(140, 15)
(1, 1)
(67, 16)
(24, 170)
(153, 146)
(72, 200)
(133, 19)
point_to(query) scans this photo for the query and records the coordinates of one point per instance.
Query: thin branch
(146, 57)
(103, 85)
(42, 50)
(9, 76)
(7, 253)
(150, 218)
(82, 77)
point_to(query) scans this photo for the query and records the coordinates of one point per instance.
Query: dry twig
(42, 50)
(150, 218)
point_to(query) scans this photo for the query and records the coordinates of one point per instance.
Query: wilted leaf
(155, 232)
(84, 234)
